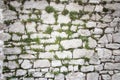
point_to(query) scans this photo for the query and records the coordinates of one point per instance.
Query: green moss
(66, 65)
(74, 15)
(56, 16)
(8, 22)
(87, 46)
(11, 7)
(56, 57)
(65, 12)
(49, 9)
(56, 72)
(69, 32)
(57, 1)
(58, 39)
(6, 69)
(84, 38)
(105, 10)
(86, 59)
(49, 30)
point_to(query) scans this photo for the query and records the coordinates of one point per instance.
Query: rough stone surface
(74, 43)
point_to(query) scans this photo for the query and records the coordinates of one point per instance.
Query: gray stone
(87, 68)
(77, 62)
(37, 74)
(14, 50)
(116, 37)
(91, 42)
(41, 63)
(56, 63)
(48, 18)
(26, 64)
(5, 36)
(113, 46)
(84, 32)
(20, 72)
(103, 39)
(74, 7)
(59, 77)
(92, 76)
(63, 69)
(104, 53)
(75, 76)
(106, 77)
(12, 65)
(52, 47)
(31, 27)
(63, 19)
(73, 43)
(78, 53)
(91, 24)
(94, 1)
(17, 27)
(112, 66)
(116, 76)
(46, 55)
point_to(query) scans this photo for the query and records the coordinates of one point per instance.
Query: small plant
(56, 72)
(37, 40)
(56, 16)
(49, 30)
(69, 32)
(87, 46)
(74, 15)
(49, 9)
(56, 57)
(58, 39)
(65, 12)
(48, 1)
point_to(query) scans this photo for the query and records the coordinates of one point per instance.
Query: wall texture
(61, 40)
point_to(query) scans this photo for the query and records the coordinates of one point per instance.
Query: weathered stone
(17, 27)
(91, 24)
(12, 65)
(116, 76)
(48, 18)
(112, 66)
(56, 63)
(113, 46)
(106, 77)
(14, 50)
(98, 67)
(117, 58)
(49, 75)
(99, 8)
(94, 1)
(5, 36)
(87, 68)
(41, 63)
(91, 42)
(77, 62)
(74, 7)
(63, 69)
(31, 27)
(73, 43)
(116, 37)
(63, 19)
(34, 4)
(9, 15)
(84, 32)
(15, 4)
(116, 52)
(59, 77)
(89, 8)
(55, 34)
(97, 31)
(52, 47)
(20, 72)
(104, 53)
(75, 76)
(37, 74)
(58, 7)
(103, 39)
(92, 76)
(26, 64)
(78, 53)
(64, 54)
(46, 55)
(16, 37)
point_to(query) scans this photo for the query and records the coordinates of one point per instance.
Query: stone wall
(61, 40)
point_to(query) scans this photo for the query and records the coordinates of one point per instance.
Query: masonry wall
(61, 40)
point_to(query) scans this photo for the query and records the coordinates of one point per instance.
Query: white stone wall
(62, 40)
